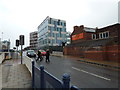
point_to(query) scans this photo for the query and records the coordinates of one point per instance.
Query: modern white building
(51, 32)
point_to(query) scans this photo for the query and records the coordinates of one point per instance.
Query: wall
(105, 53)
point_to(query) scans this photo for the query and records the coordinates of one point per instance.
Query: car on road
(31, 53)
(43, 52)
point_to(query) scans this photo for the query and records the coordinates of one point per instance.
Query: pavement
(15, 75)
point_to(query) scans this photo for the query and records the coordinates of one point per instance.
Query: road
(82, 75)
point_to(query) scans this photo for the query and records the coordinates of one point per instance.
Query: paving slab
(15, 75)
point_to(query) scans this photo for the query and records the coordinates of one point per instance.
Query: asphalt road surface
(82, 75)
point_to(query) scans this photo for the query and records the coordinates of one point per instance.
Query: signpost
(21, 43)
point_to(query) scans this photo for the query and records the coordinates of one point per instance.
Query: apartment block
(34, 40)
(51, 32)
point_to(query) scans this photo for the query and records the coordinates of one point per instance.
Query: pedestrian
(47, 55)
(39, 56)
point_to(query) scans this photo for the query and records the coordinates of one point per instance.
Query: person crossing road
(39, 56)
(47, 55)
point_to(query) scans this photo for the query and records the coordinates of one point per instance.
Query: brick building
(95, 44)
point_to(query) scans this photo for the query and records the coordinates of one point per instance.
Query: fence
(42, 79)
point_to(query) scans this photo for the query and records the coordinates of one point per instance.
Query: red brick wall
(88, 36)
(94, 55)
(106, 53)
(112, 53)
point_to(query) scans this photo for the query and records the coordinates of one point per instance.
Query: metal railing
(42, 79)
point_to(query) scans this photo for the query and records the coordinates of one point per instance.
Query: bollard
(33, 80)
(66, 81)
(42, 81)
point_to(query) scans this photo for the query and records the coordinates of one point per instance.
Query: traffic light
(17, 42)
(21, 39)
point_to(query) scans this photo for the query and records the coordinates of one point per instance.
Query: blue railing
(42, 79)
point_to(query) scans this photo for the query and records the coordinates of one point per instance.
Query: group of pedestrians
(41, 57)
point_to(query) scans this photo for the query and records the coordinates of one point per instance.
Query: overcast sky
(23, 16)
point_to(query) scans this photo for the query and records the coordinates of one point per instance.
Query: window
(52, 28)
(107, 34)
(53, 35)
(58, 22)
(54, 22)
(49, 28)
(64, 29)
(49, 21)
(49, 34)
(64, 24)
(104, 35)
(93, 36)
(58, 29)
(61, 23)
(100, 35)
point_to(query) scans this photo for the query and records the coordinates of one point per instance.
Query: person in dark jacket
(47, 55)
(39, 56)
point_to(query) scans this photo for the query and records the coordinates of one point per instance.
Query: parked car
(43, 52)
(31, 53)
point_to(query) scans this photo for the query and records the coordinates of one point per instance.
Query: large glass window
(64, 29)
(49, 34)
(58, 23)
(61, 23)
(53, 41)
(58, 29)
(49, 28)
(53, 28)
(53, 35)
(64, 24)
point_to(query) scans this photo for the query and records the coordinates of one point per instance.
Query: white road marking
(91, 74)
